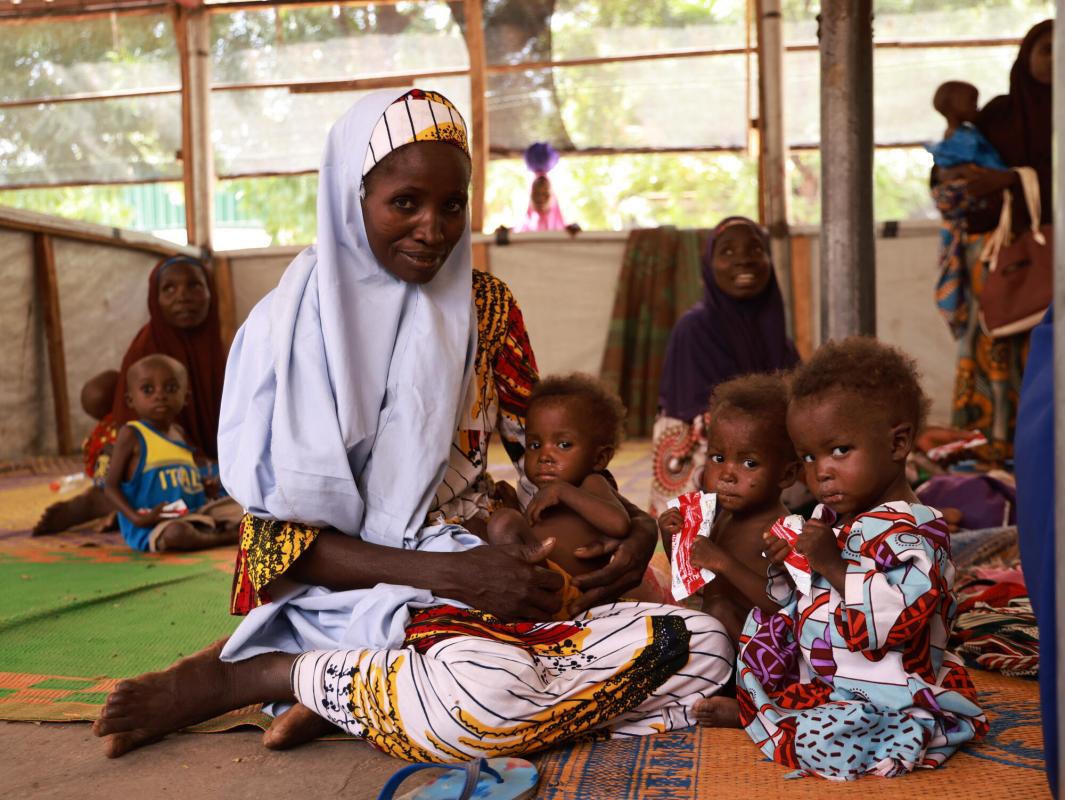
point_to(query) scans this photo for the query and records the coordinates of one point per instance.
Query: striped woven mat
(705, 763)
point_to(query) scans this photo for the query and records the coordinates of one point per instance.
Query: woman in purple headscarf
(736, 329)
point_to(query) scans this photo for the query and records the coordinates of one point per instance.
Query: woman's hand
(981, 181)
(506, 581)
(628, 562)
(505, 495)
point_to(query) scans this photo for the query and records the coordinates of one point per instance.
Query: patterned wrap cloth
(989, 371)
(842, 685)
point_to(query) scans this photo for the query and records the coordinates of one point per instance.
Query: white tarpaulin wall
(565, 288)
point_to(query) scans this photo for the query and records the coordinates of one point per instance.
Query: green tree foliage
(90, 141)
(583, 107)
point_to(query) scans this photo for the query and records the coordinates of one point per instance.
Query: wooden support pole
(802, 295)
(225, 297)
(479, 120)
(48, 293)
(773, 151)
(192, 28)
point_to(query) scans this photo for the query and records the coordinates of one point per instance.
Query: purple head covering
(721, 337)
(541, 157)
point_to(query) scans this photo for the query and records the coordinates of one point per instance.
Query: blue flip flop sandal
(480, 779)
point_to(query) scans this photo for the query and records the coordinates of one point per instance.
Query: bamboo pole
(773, 152)
(364, 84)
(478, 111)
(192, 32)
(181, 41)
(225, 297)
(801, 295)
(48, 293)
(32, 222)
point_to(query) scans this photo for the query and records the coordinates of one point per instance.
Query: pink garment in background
(551, 220)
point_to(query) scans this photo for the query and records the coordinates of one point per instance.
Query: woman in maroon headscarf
(736, 329)
(183, 324)
(1019, 125)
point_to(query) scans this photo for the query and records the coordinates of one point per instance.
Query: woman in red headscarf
(183, 324)
(1018, 125)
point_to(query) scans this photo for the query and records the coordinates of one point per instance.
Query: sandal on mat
(480, 779)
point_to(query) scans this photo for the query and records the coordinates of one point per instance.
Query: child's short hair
(881, 374)
(761, 396)
(174, 365)
(945, 90)
(607, 413)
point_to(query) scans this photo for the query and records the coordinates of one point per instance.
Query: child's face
(853, 457)
(558, 444)
(744, 465)
(541, 195)
(740, 262)
(156, 393)
(964, 102)
(184, 298)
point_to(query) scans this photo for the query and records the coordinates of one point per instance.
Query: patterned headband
(417, 116)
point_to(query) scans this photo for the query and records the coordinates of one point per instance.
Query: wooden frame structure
(191, 28)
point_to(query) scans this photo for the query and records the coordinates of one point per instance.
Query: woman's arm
(628, 562)
(504, 581)
(988, 181)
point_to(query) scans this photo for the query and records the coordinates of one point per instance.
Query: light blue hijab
(341, 400)
(343, 387)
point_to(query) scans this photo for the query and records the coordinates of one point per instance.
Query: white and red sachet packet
(697, 509)
(172, 510)
(788, 528)
(945, 451)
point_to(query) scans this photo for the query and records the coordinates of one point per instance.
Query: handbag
(1020, 279)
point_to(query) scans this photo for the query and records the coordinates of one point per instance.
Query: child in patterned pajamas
(855, 678)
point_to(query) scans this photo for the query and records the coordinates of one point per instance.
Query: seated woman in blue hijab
(343, 392)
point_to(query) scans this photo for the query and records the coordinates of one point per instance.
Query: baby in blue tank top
(153, 481)
(962, 145)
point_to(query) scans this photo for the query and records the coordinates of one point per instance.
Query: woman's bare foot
(717, 712)
(145, 709)
(65, 514)
(296, 726)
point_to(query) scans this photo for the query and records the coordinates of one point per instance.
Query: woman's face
(1041, 59)
(740, 262)
(184, 298)
(415, 208)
